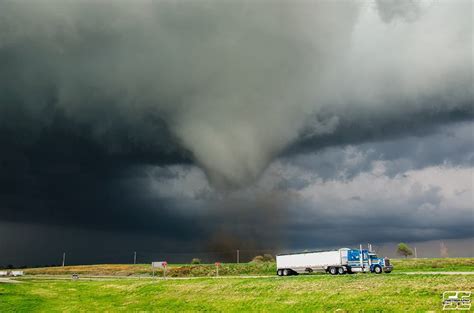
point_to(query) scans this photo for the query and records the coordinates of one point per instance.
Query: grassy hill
(434, 265)
(307, 293)
(173, 270)
(202, 270)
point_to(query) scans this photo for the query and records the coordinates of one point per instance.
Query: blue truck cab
(367, 261)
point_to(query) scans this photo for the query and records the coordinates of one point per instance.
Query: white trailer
(340, 261)
(308, 262)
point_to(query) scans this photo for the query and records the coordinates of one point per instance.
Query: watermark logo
(456, 300)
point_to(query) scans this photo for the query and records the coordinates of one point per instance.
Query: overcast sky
(207, 126)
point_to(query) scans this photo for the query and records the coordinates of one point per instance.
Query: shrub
(263, 258)
(268, 258)
(258, 259)
(196, 261)
(404, 249)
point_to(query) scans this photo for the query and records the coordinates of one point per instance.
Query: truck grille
(387, 262)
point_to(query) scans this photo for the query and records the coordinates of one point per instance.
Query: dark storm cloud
(379, 128)
(231, 84)
(60, 174)
(101, 100)
(190, 64)
(450, 144)
(401, 189)
(419, 216)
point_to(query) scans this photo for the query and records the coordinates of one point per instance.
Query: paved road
(8, 281)
(94, 277)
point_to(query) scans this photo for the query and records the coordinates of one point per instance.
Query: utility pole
(135, 257)
(64, 258)
(416, 254)
(238, 256)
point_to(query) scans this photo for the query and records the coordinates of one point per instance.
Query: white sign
(16, 273)
(159, 264)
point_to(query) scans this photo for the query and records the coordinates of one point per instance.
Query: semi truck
(341, 261)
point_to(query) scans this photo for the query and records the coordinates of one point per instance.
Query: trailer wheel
(340, 271)
(377, 269)
(279, 272)
(286, 272)
(333, 270)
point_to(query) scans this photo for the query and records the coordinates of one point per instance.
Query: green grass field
(395, 292)
(310, 293)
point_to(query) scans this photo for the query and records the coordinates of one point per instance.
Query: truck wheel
(377, 269)
(333, 270)
(340, 271)
(286, 272)
(279, 273)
